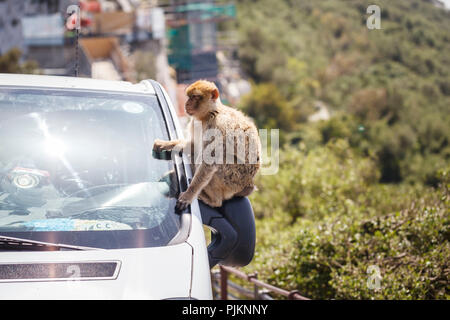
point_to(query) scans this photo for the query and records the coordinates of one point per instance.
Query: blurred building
(180, 34)
(192, 37)
(34, 27)
(38, 29)
(23, 21)
(11, 12)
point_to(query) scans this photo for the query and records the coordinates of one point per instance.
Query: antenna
(73, 22)
(76, 51)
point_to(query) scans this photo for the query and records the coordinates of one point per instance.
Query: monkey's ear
(215, 94)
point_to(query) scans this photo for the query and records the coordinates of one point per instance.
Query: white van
(87, 211)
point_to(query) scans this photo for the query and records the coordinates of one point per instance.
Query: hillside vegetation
(367, 189)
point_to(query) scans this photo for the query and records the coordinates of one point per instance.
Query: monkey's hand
(184, 200)
(161, 145)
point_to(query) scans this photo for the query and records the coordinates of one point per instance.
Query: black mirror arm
(223, 237)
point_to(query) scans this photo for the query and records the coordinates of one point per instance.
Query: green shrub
(325, 218)
(268, 108)
(330, 259)
(10, 62)
(314, 183)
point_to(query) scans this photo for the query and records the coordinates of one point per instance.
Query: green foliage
(394, 81)
(324, 220)
(315, 183)
(369, 186)
(10, 63)
(268, 108)
(410, 248)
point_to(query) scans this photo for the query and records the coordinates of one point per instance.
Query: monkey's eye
(195, 96)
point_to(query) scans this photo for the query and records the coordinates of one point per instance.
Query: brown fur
(214, 183)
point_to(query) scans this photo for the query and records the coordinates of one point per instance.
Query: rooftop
(21, 80)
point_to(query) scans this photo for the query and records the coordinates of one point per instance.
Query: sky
(447, 3)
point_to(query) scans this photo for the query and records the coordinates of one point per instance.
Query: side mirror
(233, 233)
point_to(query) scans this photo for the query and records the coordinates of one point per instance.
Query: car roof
(41, 81)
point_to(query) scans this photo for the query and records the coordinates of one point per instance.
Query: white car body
(179, 271)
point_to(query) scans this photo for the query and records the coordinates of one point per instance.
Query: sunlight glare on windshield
(55, 147)
(130, 191)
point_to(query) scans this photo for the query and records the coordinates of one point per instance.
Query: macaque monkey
(230, 152)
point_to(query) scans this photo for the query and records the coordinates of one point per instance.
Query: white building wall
(11, 12)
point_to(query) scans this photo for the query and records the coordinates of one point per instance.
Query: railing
(261, 290)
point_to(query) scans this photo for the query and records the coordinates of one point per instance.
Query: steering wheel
(69, 185)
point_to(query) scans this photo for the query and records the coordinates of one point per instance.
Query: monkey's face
(202, 96)
(194, 104)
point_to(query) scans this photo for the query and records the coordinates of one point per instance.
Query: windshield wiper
(11, 243)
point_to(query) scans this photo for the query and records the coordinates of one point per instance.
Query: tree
(10, 63)
(144, 65)
(268, 107)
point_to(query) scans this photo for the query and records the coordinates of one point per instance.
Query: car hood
(143, 273)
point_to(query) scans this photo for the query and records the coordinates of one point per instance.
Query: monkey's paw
(183, 201)
(161, 145)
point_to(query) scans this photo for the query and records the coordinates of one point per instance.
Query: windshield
(77, 168)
